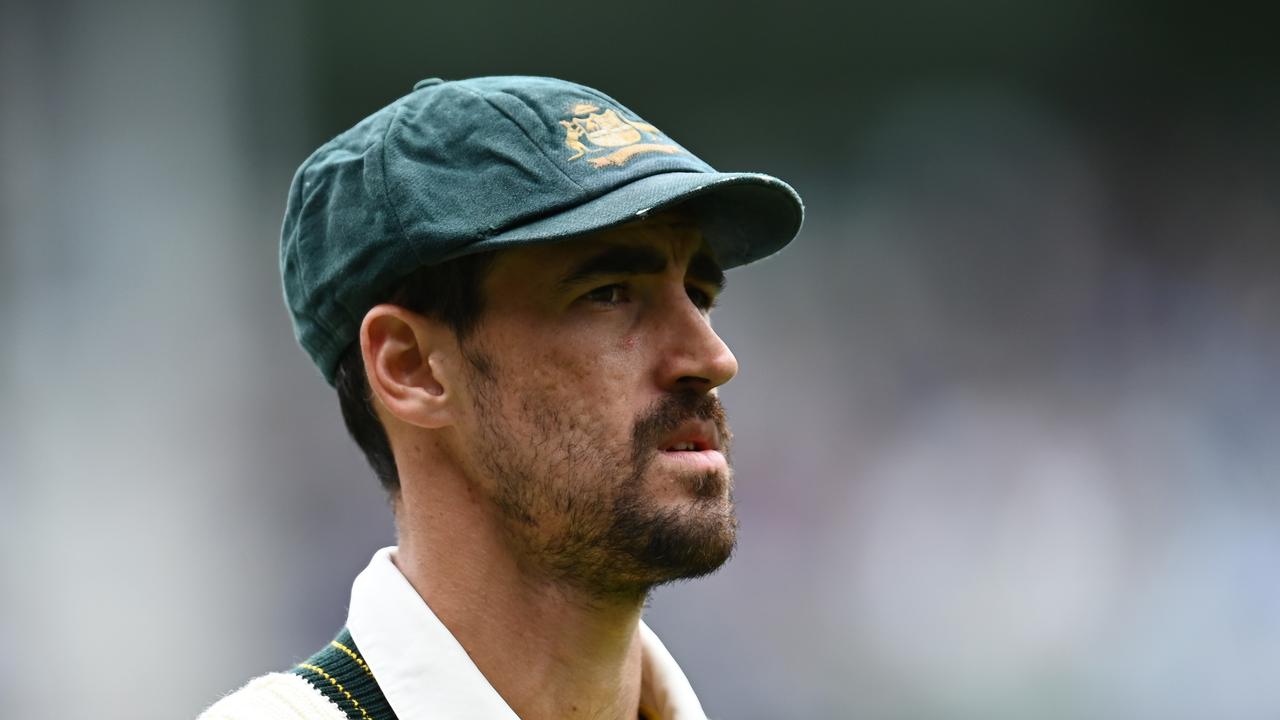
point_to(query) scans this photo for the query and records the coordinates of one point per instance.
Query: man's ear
(401, 352)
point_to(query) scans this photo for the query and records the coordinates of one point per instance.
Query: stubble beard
(579, 508)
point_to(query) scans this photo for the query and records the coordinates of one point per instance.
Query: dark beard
(675, 545)
(605, 544)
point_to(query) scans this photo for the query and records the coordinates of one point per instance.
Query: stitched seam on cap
(386, 190)
(317, 316)
(323, 303)
(526, 134)
(297, 227)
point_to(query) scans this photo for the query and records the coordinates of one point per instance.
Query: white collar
(425, 673)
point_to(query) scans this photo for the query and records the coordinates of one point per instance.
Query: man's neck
(548, 650)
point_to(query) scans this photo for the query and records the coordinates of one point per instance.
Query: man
(509, 281)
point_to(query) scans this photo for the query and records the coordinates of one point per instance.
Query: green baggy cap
(466, 166)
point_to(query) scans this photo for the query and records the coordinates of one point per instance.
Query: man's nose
(694, 356)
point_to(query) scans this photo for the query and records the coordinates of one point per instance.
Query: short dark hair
(450, 292)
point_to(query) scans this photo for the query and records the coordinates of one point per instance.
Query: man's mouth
(694, 449)
(693, 436)
(686, 435)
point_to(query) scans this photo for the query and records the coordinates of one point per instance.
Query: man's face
(592, 421)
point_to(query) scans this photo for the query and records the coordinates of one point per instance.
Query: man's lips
(693, 436)
(703, 461)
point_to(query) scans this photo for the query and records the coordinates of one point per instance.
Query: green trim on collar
(341, 675)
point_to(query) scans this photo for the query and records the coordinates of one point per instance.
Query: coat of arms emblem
(592, 130)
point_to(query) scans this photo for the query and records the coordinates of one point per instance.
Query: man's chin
(701, 553)
(685, 543)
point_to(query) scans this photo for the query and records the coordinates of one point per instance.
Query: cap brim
(744, 216)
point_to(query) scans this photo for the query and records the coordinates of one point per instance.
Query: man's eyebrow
(617, 260)
(704, 268)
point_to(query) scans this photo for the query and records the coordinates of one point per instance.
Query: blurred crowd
(1006, 419)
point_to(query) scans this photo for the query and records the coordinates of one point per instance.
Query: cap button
(426, 83)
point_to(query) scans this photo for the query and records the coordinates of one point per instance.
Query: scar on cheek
(629, 342)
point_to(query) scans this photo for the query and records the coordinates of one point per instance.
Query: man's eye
(608, 295)
(701, 298)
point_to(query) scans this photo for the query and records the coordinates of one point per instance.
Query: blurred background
(1008, 418)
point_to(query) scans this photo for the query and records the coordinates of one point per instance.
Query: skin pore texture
(563, 459)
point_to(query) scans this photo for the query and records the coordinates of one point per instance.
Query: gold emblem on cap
(591, 130)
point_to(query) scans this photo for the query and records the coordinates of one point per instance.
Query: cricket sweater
(333, 684)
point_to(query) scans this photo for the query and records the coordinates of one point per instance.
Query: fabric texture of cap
(467, 166)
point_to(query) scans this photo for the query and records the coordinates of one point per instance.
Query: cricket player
(509, 282)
